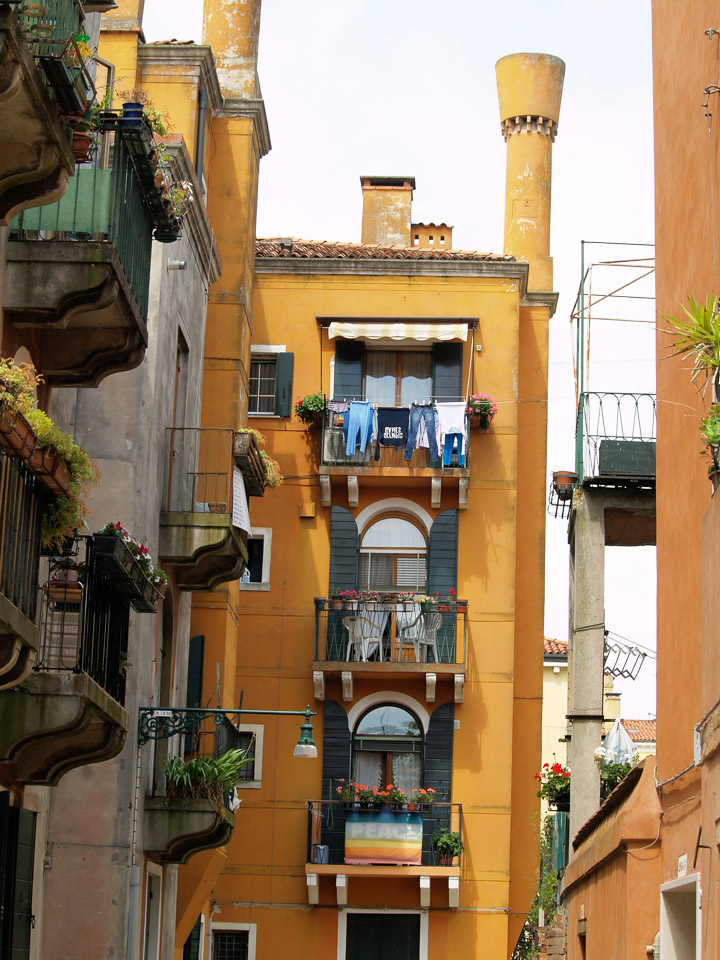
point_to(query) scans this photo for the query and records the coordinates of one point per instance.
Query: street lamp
(161, 724)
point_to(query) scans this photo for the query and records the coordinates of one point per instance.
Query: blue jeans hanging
(426, 413)
(450, 439)
(358, 426)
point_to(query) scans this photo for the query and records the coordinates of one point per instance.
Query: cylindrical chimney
(232, 29)
(387, 210)
(529, 90)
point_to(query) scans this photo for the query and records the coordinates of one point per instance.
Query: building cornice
(190, 55)
(405, 268)
(541, 298)
(255, 110)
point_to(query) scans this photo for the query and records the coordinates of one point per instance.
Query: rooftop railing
(615, 438)
(22, 497)
(101, 205)
(328, 819)
(84, 624)
(390, 632)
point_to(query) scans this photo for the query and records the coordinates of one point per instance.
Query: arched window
(387, 748)
(393, 556)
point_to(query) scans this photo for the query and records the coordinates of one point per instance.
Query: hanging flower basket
(564, 482)
(16, 434)
(480, 410)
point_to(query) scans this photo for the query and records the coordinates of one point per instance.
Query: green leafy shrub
(199, 778)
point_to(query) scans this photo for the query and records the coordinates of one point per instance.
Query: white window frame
(264, 534)
(220, 926)
(259, 730)
(686, 884)
(258, 350)
(342, 929)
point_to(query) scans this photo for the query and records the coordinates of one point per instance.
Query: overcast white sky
(408, 87)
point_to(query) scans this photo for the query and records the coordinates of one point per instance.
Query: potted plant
(564, 482)
(554, 782)
(421, 798)
(396, 797)
(312, 409)
(29, 433)
(448, 845)
(612, 770)
(698, 336)
(247, 440)
(445, 601)
(204, 778)
(480, 411)
(710, 433)
(346, 793)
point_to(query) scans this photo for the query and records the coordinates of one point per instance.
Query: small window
(442, 239)
(431, 240)
(270, 382)
(231, 945)
(256, 575)
(262, 385)
(416, 239)
(250, 735)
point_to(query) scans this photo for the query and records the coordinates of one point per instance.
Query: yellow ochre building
(420, 694)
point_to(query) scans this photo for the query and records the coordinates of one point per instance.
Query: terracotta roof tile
(640, 731)
(291, 248)
(555, 648)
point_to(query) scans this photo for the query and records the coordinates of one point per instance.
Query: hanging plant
(698, 337)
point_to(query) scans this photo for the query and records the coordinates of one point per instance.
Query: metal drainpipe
(200, 151)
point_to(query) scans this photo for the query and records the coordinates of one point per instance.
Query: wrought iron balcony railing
(100, 205)
(200, 470)
(22, 498)
(334, 451)
(615, 438)
(327, 830)
(390, 632)
(84, 624)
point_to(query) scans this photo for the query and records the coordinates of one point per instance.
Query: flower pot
(63, 592)
(16, 434)
(461, 606)
(443, 608)
(50, 466)
(559, 804)
(412, 806)
(563, 483)
(478, 421)
(446, 859)
(132, 114)
(82, 144)
(336, 604)
(714, 478)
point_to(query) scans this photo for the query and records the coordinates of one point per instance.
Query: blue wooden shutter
(283, 384)
(438, 770)
(349, 369)
(447, 372)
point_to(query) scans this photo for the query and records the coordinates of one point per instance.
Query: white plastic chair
(422, 631)
(365, 635)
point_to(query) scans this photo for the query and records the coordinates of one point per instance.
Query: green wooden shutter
(344, 549)
(193, 695)
(17, 857)
(382, 936)
(336, 765)
(442, 576)
(447, 372)
(283, 384)
(348, 383)
(437, 772)
(191, 950)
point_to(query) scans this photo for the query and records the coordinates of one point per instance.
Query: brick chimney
(386, 217)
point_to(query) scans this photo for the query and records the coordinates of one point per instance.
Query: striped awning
(357, 330)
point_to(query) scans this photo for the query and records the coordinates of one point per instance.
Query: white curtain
(406, 771)
(368, 768)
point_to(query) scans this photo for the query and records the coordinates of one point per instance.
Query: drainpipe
(200, 150)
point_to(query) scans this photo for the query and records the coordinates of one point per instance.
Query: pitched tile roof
(640, 731)
(555, 648)
(325, 250)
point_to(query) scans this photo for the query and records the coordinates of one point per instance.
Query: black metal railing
(200, 470)
(390, 631)
(326, 829)
(334, 451)
(84, 623)
(615, 437)
(22, 499)
(100, 205)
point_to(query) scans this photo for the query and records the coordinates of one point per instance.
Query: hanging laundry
(338, 406)
(422, 413)
(452, 426)
(392, 428)
(358, 426)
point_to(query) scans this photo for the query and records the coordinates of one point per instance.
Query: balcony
(205, 510)
(22, 499)
(615, 440)
(69, 711)
(361, 639)
(347, 843)
(43, 81)
(78, 273)
(179, 826)
(337, 467)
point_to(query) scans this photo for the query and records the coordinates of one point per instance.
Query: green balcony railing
(101, 205)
